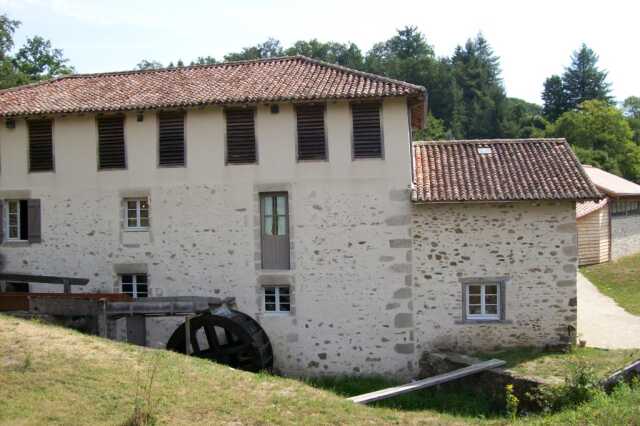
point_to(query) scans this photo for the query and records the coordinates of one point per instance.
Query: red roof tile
(498, 170)
(294, 78)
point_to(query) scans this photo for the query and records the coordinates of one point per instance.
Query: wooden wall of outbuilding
(594, 235)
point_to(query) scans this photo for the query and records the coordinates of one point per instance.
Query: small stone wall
(625, 232)
(491, 383)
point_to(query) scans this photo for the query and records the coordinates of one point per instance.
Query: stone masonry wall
(534, 245)
(625, 232)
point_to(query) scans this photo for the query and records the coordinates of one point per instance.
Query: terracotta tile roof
(295, 78)
(611, 184)
(498, 170)
(586, 207)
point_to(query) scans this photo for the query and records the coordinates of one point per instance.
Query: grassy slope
(50, 375)
(619, 280)
(554, 367)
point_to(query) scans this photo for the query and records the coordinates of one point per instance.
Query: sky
(534, 39)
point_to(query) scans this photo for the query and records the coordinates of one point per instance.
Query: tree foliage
(582, 81)
(34, 61)
(601, 136)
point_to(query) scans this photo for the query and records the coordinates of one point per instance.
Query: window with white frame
(135, 285)
(483, 301)
(137, 214)
(17, 220)
(277, 299)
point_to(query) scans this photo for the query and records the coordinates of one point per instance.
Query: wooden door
(274, 219)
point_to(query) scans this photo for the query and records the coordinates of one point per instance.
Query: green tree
(554, 98)
(631, 108)
(521, 119)
(146, 64)
(7, 29)
(269, 49)
(583, 80)
(601, 136)
(434, 130)
(204, 60)
(348, 55)
(477, 73)
(38, 60)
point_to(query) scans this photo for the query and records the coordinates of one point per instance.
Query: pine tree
(583, 80)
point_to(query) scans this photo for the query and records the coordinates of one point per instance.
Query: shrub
(580, 386)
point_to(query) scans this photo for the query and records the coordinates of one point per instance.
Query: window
(40, 145)
(13, 287)
(483, 300)
(367, 132)
(277, 299)
(135, 285)
(311, 134)
(274, 212)
(111, 149)
(625, 208)
(241, 136)
(171, 138)
(137, 214)
(21, 221)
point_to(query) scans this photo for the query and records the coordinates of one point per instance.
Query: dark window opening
(367, 131)
(241, 136)
(171, 138)
(311, 132)
(111, 148)
(40, 145)
(17, 287)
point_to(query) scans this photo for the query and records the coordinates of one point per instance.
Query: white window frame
(138, 217)
(134, 285)
(7, 229)
(483, 302)
(278, 303)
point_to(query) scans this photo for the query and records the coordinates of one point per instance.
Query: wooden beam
(43, 279)
(425, 383)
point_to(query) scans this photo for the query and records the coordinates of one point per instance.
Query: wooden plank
(42, 279)
(425, 383)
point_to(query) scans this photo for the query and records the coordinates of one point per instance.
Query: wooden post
(187, 334)
(67, 286)
(103, 326)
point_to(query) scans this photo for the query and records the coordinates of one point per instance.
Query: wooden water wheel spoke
(246, 347)
(195, 346)
(212, 336)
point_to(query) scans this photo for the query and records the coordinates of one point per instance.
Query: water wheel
(228, 337)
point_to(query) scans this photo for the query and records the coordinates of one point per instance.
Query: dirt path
(602, 322)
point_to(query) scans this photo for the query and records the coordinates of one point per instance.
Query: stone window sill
(16, 244)
(486, 321)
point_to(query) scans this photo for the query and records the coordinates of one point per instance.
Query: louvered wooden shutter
(171, 143)
(241, 136)
(40, 145)
(111, 149)
(367, 133)
(311, 136)
(34, 220)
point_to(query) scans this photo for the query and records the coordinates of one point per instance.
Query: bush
(580, 386)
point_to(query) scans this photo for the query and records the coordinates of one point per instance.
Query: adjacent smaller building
(610, 228)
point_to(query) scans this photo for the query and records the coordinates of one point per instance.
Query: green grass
(619, 280)
(51, 375)
(555, 366)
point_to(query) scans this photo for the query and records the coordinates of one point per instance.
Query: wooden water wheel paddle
(228, 337)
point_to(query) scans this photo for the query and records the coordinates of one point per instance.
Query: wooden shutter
(171, 138)
(40, 145)
(34, 221)
(111, 149)
(367, 133)
(241, 136)
(311, 136)
(1, 227)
